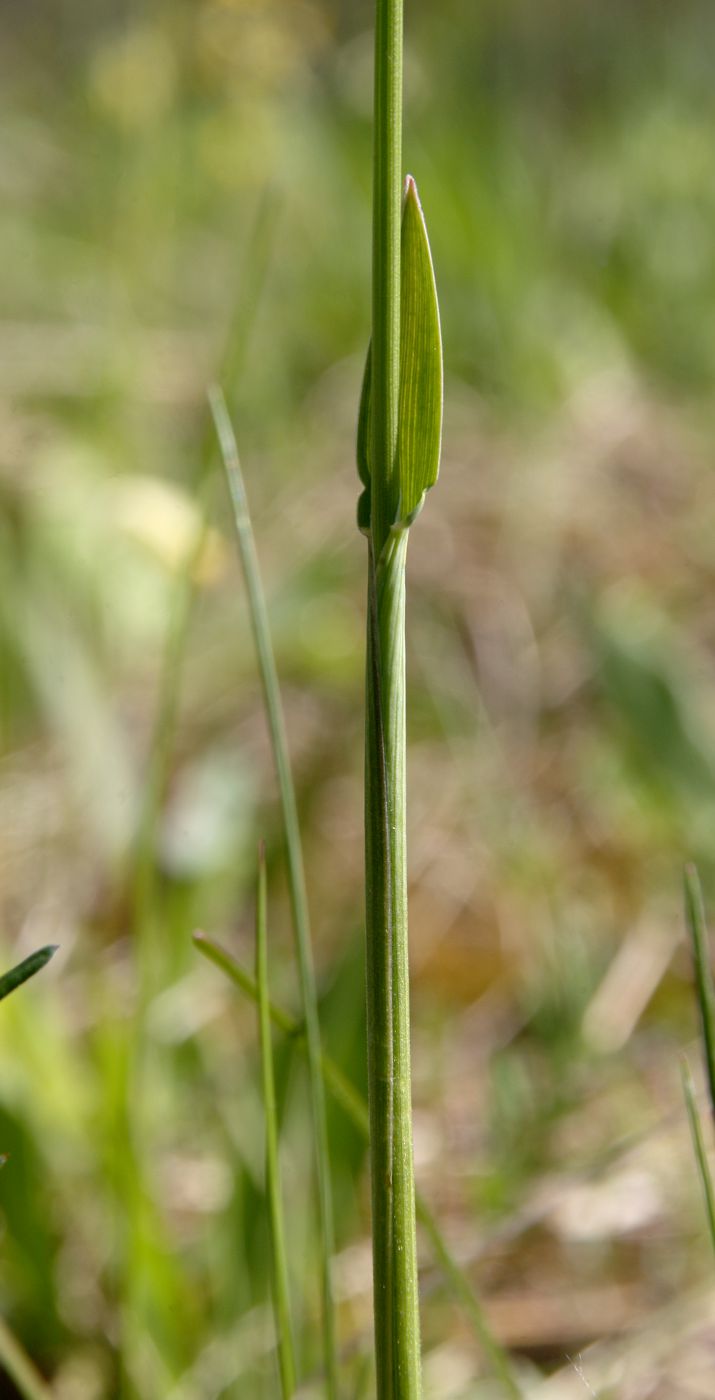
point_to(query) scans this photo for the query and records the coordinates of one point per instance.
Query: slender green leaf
(695, 913)
(701, 1155)
(281, 1299)
(463, 1290)
(27, 968)
(419, 430)
(296, 873)
(343, 1091)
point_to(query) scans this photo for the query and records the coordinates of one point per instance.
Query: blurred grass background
(184, 195)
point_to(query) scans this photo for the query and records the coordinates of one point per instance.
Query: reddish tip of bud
(411, 193)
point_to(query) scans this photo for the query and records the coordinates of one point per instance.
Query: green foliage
(356, 1110)
(701, 1155)
(27, 968)
(705, 990)
(296, 874)
(697, 927)
(419, 430)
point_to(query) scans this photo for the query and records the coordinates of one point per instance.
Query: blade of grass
(695, 913)
(701, 1156)
(294, 853)
(343, 1091)
(281, 1299)
(139, 1219)
(252, 280)
(380, 899)
(355, 1107)
(26, 969)
(464, 1292)
(18, 1366)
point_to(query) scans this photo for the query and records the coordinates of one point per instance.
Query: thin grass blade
(463, 1291)
(695, 913)
(281, 1298)
(343, 1091)
(296, 874)
(18, 1366)
(355, 1108)
(701, 1156)
(26, 969)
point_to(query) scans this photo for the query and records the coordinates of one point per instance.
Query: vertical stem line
(397, 1341)
(378, 909)
(405, 1314)
(396, 1300)
(284, 1327)
(387, 205)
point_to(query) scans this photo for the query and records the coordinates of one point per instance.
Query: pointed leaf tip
(419, 435)
(421, 391)
(27, 968)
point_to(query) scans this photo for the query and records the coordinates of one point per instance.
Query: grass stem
(695, 914)
(387, 215)
(701, 1156)
(284, 1327)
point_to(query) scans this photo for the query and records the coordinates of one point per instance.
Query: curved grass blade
(464, 1292)
(695, 914)
(701, 1156)
(18, 1366)
(281, 1299)
(343, 1091)
(27, 968)
(294, 852)
(355, 1108)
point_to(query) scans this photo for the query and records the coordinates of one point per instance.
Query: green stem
(387, 217)
(296, 874)
(701, 1155)
(396, 1301)
(284, 1328)
(397, 1334)
(695, 913)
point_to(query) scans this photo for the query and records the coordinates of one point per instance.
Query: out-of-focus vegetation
(184, 196)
